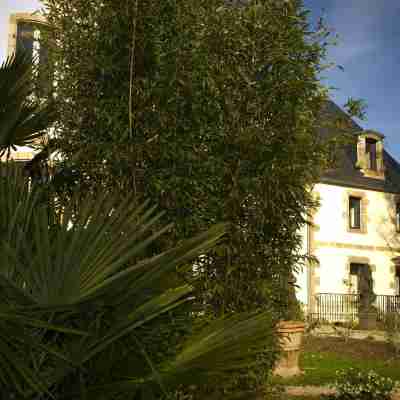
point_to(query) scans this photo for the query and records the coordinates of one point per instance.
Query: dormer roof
(373, 134)
(346, 171)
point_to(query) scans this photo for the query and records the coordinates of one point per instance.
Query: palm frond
(76, 286)
(23, 117)
(224, 346)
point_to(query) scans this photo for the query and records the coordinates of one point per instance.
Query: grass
(319, 369)
(322, 357)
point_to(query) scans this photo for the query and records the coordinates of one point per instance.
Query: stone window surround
(361, 154)
(364, 206)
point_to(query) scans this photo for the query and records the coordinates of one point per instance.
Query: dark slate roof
(345, 172)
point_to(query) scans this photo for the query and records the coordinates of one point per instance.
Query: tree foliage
(209, 107)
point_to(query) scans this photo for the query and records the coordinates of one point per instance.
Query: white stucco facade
(336, 246)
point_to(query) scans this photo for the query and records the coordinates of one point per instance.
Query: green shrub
(354, 384)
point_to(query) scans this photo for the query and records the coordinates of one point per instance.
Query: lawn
(302, 398)
(321, 358)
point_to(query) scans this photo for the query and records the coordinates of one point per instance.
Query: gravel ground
(318, 390)
(332, 331)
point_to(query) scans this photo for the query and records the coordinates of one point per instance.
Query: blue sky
(369, 51)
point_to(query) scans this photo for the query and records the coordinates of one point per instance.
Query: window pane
(354, 283)
(25, 37)
(355, 212)
(371, 151)
(398, 217)
(28, 39)
(354, 276)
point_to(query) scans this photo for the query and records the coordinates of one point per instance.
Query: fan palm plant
(23, 116)
(81, 307)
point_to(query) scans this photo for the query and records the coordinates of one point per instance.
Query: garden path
(318, 391)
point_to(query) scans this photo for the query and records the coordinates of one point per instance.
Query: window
(361, 281)
(355, 212)
(398, 217)
(28, 39)
(354, 277)
(25, 36)
(371, 154)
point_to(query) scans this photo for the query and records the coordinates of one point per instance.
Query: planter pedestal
(367, 321)
(291, 335)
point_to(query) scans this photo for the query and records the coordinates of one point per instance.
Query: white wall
(334, 245)
(331, 218)
(332, 273)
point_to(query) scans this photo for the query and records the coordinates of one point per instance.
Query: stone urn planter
(291, 336)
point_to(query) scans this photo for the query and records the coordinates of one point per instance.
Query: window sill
(375, 174)
(356, 230)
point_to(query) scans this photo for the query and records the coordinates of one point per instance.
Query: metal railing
(335, 307)
(387, 304)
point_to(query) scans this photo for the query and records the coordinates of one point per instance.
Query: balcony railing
(334, 307)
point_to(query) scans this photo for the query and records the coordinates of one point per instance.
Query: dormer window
(370, 154)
